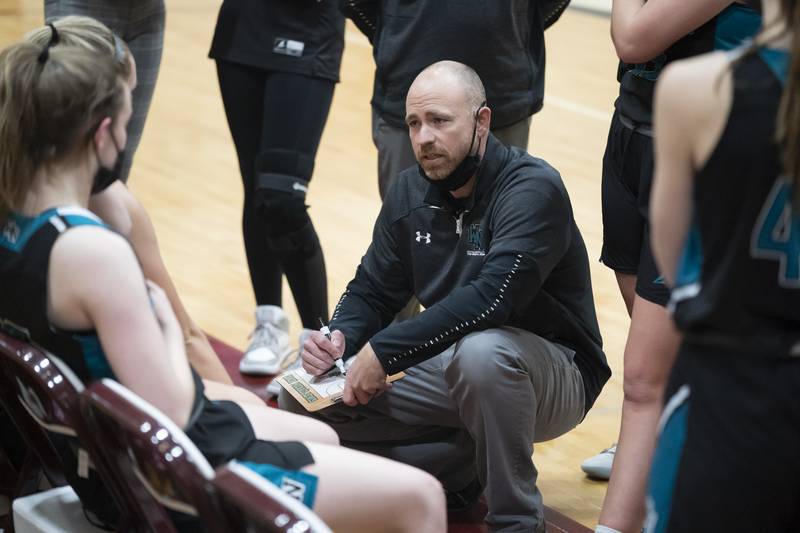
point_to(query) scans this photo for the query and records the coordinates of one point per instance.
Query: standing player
(647, 36)
(726, 234)
(277, 63)
(140, 23)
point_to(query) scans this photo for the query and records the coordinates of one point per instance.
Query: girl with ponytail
(647, 35)
(112, 201)
(726, 236)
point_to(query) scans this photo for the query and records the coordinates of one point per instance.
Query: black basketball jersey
(738, 284)
(300, 36)
(25, 246)
(726, 31)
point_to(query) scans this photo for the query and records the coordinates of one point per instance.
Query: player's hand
(365, 379)
(319, 353)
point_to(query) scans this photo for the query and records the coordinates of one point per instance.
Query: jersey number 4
(776, 234)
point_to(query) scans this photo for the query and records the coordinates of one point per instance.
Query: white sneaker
(599, 466)
(292, 362)
(269, 342)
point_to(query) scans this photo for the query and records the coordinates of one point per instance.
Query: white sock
(605, 529)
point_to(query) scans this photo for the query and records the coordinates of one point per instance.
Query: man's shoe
(599, 466)
(293, 362)
(269, 342)
(461, 500)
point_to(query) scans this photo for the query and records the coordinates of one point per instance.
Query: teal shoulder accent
(691, 265)
(94, 355)
(18, 229)
(81, 220)
(777, 61)
(79, 216)
(735, 25)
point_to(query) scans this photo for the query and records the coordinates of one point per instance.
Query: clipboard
(315, 393)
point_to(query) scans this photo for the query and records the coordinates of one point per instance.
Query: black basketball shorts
(627, 177)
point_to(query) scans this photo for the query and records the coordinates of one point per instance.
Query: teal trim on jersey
(18, 229)
(664, 470)
(95, 357)
(82, 220)
(691, 264)
(735, 24)
(777, 61)
(299, 485)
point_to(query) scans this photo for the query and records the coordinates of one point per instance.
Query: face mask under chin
(458, 177)
(104, 177)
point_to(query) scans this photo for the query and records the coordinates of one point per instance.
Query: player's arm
(379, 290)
(120, 209)
(643, 30)
(145, 244)
(95, 282)
(691, 104)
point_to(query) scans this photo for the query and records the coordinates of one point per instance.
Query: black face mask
(463, 171)
(104, 177)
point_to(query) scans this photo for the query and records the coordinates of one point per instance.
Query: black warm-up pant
(273, 112)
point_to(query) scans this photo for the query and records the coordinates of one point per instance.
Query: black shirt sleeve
(530, 228)
(364, 14)
(377, 293)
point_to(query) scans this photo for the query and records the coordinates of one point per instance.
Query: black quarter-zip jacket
(509, 255)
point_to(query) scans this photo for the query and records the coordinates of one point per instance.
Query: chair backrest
(40, 394)
(151, 452)
(251, 503)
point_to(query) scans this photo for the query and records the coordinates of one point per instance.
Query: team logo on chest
(423, 237)
(475, 240)
(11, 232)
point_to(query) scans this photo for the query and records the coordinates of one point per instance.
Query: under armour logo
(426, 237)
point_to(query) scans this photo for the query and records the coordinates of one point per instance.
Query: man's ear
(484, 121)
(102, 134)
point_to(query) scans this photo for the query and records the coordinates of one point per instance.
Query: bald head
(454, 79)
(446, 118)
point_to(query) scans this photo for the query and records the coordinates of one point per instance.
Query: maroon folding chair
(38, 397)
(148, 450)
(41, 394)
(251, 503)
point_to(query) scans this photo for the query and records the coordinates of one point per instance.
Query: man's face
(440, 125)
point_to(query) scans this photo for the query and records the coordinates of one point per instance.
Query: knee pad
(281, 185)
(286, 171)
